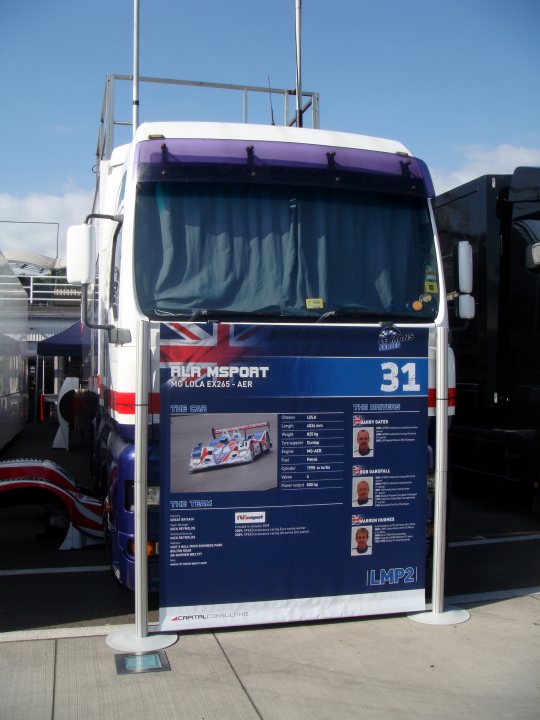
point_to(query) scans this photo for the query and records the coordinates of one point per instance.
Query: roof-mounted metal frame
(108, 120)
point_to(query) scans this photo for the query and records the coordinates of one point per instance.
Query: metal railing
(108, 121)
(50, 291)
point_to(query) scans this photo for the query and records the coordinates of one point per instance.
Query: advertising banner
(294, 462)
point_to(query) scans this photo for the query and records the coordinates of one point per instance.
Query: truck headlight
(152, 495)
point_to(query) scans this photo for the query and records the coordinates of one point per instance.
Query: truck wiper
(208, 314)
(366, 315)
(278, 314)
(197, 315)
(348, 313)
(326, 315)
(161, 312)
(237, 314)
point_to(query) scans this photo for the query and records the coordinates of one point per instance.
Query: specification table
(312, 447)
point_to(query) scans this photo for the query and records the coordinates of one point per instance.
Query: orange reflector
(151, 548)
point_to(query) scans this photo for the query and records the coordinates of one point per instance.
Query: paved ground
(55, 662)
(383, 668)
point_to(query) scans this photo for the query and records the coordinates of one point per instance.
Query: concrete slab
(27, 680)
(382, 668)
(201, 684)
(395, 668)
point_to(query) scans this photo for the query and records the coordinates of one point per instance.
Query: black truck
(495, 434)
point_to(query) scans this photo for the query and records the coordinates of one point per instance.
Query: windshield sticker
(314, 303)
(417, 305)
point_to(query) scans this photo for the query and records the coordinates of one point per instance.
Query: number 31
(391, 377)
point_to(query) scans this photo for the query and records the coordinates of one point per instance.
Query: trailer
(68, 506)
(13, 354)
(495, 436)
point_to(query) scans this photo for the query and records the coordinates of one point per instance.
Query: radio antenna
(298, 63)
(271, 105)
(135, 65)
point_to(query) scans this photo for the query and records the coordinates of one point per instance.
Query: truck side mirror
(464, 267)
(532, 257)
(463, 264)
(80, 255)
(465, 308)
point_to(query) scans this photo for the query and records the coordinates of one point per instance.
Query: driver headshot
(363, 448)
(361, 538)
(363, 490)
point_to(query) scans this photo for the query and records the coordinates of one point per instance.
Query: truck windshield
(283, 252)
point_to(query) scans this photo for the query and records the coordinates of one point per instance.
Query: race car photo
(231, 446)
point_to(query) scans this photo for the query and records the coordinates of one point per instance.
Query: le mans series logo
(392, 339)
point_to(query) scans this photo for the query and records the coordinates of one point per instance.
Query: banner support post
(138, 639)
(438, 614)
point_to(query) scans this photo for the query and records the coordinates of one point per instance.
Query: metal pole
(438, 616)
(315, 111)
(441, 469)
(135, 65)
(36, 388)
(298, 63)
(108, 145)
(141, 462)
(141, 640)
(245, 97)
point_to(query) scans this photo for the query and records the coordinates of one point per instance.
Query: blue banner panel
(294, 462)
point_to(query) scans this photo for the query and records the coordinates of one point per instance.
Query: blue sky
(456, 81)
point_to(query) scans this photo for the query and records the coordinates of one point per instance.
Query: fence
(50, 291)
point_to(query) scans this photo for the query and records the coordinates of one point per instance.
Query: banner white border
(196, 617)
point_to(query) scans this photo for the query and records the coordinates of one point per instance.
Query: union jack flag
(356, 519)
(356, 470)
(209, 344)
